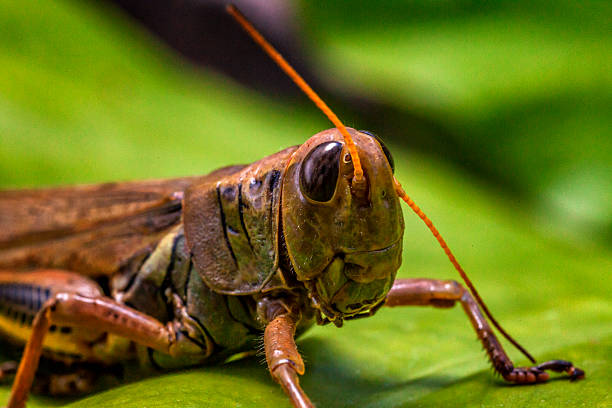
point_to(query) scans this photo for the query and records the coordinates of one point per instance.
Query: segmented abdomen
(20, 301)
(23, 294)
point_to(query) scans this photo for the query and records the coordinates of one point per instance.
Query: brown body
(229, 223)
(191, 270)
(179, 271)
(120, 240)
(108, 229)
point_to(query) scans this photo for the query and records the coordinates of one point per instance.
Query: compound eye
(319, 171)
(384, 148)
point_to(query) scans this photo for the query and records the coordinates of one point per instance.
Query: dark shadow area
(331, 374)
(205, 34)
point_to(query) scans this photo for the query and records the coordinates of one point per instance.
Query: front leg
(284, 361)
(438, 293)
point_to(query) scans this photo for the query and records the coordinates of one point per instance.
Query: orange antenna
(358, 172)
(358, 176)
(402, 194)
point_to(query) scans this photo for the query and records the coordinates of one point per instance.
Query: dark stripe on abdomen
(20, 301)
(26, 297)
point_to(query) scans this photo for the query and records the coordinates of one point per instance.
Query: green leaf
(86, 97)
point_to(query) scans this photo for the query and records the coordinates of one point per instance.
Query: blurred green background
(499, 116)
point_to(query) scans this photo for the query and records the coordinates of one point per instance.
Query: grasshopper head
(343, 243)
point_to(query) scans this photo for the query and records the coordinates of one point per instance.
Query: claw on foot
(560, 366)
(537, 374)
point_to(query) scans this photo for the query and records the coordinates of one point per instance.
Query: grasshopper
(187, 271)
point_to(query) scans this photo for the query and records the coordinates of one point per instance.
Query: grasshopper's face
(345, 246)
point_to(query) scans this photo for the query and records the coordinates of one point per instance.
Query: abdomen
(22, 295)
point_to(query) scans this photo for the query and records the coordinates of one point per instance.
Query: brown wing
(94, 230)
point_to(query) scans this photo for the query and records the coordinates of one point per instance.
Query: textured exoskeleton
(188, 271)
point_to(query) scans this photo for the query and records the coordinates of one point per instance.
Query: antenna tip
(230, 8)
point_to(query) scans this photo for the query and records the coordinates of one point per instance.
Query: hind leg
(65, 311)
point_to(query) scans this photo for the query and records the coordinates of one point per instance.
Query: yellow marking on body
(54, 341)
